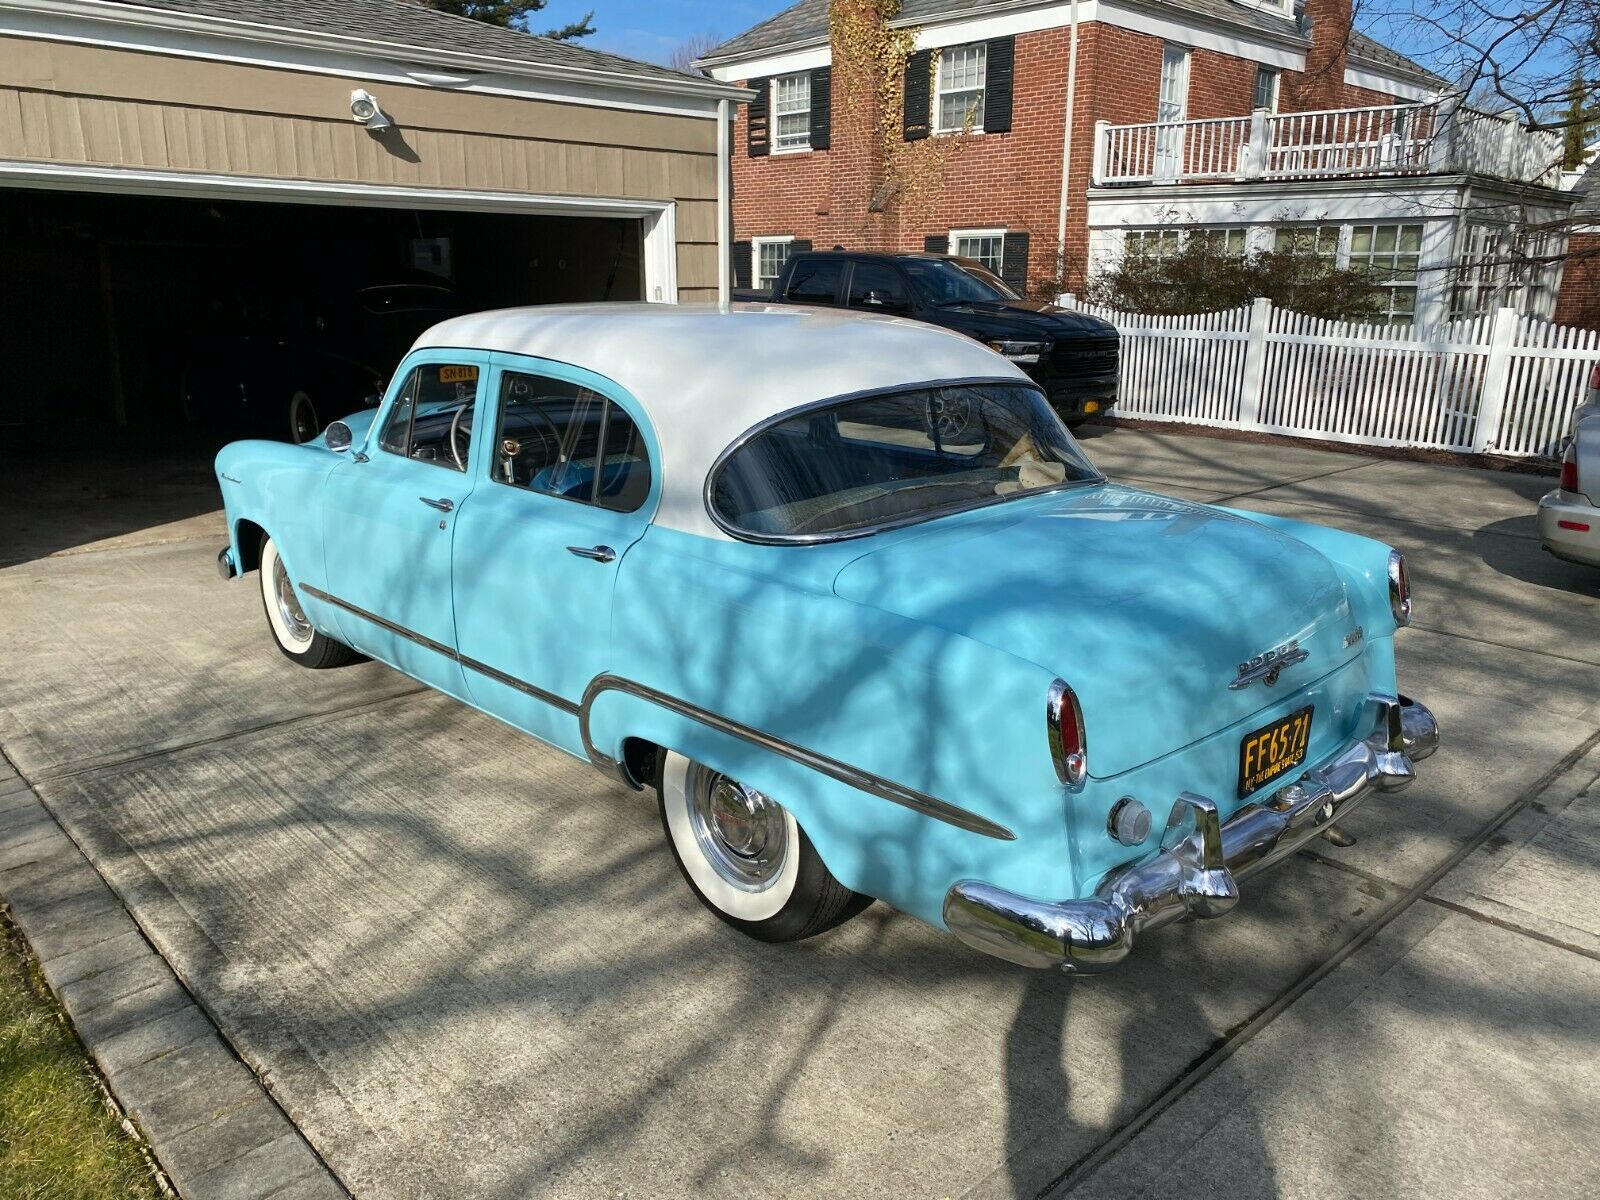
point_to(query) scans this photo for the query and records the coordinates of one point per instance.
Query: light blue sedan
(844, 591)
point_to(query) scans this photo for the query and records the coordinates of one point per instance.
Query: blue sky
(649, 29)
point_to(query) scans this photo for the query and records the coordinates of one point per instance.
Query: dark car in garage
(286, 374)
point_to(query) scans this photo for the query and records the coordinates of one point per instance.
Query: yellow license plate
(1273, 750)
(458, 374)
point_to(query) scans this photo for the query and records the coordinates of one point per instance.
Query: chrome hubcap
(743, 833)
(289, 604)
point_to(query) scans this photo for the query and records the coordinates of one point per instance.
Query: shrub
(1200, 274)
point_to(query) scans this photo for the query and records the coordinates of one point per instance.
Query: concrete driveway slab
(1450, 1058)
(1157, 460)
(1538, 873)
(483, 935)
(121, 653)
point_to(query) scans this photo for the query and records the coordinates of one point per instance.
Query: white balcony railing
(1399, 139)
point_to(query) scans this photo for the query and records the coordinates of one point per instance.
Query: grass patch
(59, 1139)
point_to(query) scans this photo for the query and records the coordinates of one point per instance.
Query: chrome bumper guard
(225, 563)
(1198, 872)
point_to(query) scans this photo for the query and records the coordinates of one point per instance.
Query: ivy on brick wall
(870, 68)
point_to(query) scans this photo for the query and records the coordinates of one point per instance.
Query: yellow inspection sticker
(458, 374)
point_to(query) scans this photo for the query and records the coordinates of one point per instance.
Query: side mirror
(338, 437)
(883, 300)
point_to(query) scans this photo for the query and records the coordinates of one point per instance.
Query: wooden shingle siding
(92, 106)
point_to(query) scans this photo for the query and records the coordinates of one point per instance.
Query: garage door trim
(659, 216)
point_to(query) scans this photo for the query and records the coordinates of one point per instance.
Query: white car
(1569, 522)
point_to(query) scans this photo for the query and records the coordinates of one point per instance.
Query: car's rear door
(390, 513)
(568, 487)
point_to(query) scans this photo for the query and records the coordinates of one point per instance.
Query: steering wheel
(457, 428)
(549, 443)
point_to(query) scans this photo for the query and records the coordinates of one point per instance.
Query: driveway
(465, 964)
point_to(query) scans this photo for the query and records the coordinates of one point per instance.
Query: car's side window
(815, 281)
(879, 287)
(566, 440)
(431, 420)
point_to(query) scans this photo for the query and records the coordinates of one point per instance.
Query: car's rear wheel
(303, 421)
(746, 857)
(290, 629)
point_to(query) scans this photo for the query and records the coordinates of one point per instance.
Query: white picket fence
(1500, 383)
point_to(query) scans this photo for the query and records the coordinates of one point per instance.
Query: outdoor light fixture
(364, 108)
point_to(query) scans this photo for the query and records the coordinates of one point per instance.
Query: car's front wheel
(746, 857)
(287, 620)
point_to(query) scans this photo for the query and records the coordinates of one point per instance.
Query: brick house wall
(1013, 179)
(1578, 302)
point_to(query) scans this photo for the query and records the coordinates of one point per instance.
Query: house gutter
(1066, 140)
(724, 202)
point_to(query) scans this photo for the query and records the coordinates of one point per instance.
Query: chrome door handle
(598, 553)
(442, 504)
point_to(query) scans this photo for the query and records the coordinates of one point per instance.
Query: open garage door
(217, 317)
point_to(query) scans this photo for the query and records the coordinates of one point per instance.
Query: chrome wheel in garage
(303, 422)
(745, 856)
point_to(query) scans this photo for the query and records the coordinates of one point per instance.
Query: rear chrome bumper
(225, 567)
(1198, 872)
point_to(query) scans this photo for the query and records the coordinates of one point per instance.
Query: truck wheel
(294, 635)
(746, 858)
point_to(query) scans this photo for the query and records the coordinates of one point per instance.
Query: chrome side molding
(1196, 874)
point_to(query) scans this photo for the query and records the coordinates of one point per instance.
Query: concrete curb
(213, 1128)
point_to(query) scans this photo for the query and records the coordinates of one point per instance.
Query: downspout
(1066, 137)
(725, 204)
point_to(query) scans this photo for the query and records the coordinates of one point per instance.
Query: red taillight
(1575, 526)
(1594, 376)
(1064, 724)
(1569, 470)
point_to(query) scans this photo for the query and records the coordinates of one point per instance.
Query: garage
(238, 317)
(232, 217)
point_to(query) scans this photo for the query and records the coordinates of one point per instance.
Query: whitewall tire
(291, 630)
(745, 857)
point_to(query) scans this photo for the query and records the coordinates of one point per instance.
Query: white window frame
(1394, 286)
(957, 236)
(1277, 84)
(777, 146)
(756, 245)
(939, 89)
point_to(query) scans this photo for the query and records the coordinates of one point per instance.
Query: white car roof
(706, 373)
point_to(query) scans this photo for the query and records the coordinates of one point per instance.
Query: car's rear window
(905, 456)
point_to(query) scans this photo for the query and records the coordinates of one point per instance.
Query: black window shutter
(757, 140)
(822, 108)
(741, 264)
(917, 111)
(1014, 262)
(800, 246)
(1000, 61)
(936, 243)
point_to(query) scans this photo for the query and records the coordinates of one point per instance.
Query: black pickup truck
(1071, 355)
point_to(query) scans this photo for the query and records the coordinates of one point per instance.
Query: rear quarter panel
(754, 633)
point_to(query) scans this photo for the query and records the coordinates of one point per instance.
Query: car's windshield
(895, 458)
(944, 281)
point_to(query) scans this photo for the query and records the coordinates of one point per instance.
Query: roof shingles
(807, 22)
(413, 26)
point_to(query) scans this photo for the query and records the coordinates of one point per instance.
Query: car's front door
(568, 487)
(390, 514)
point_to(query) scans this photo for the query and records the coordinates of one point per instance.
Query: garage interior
(184, 322)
